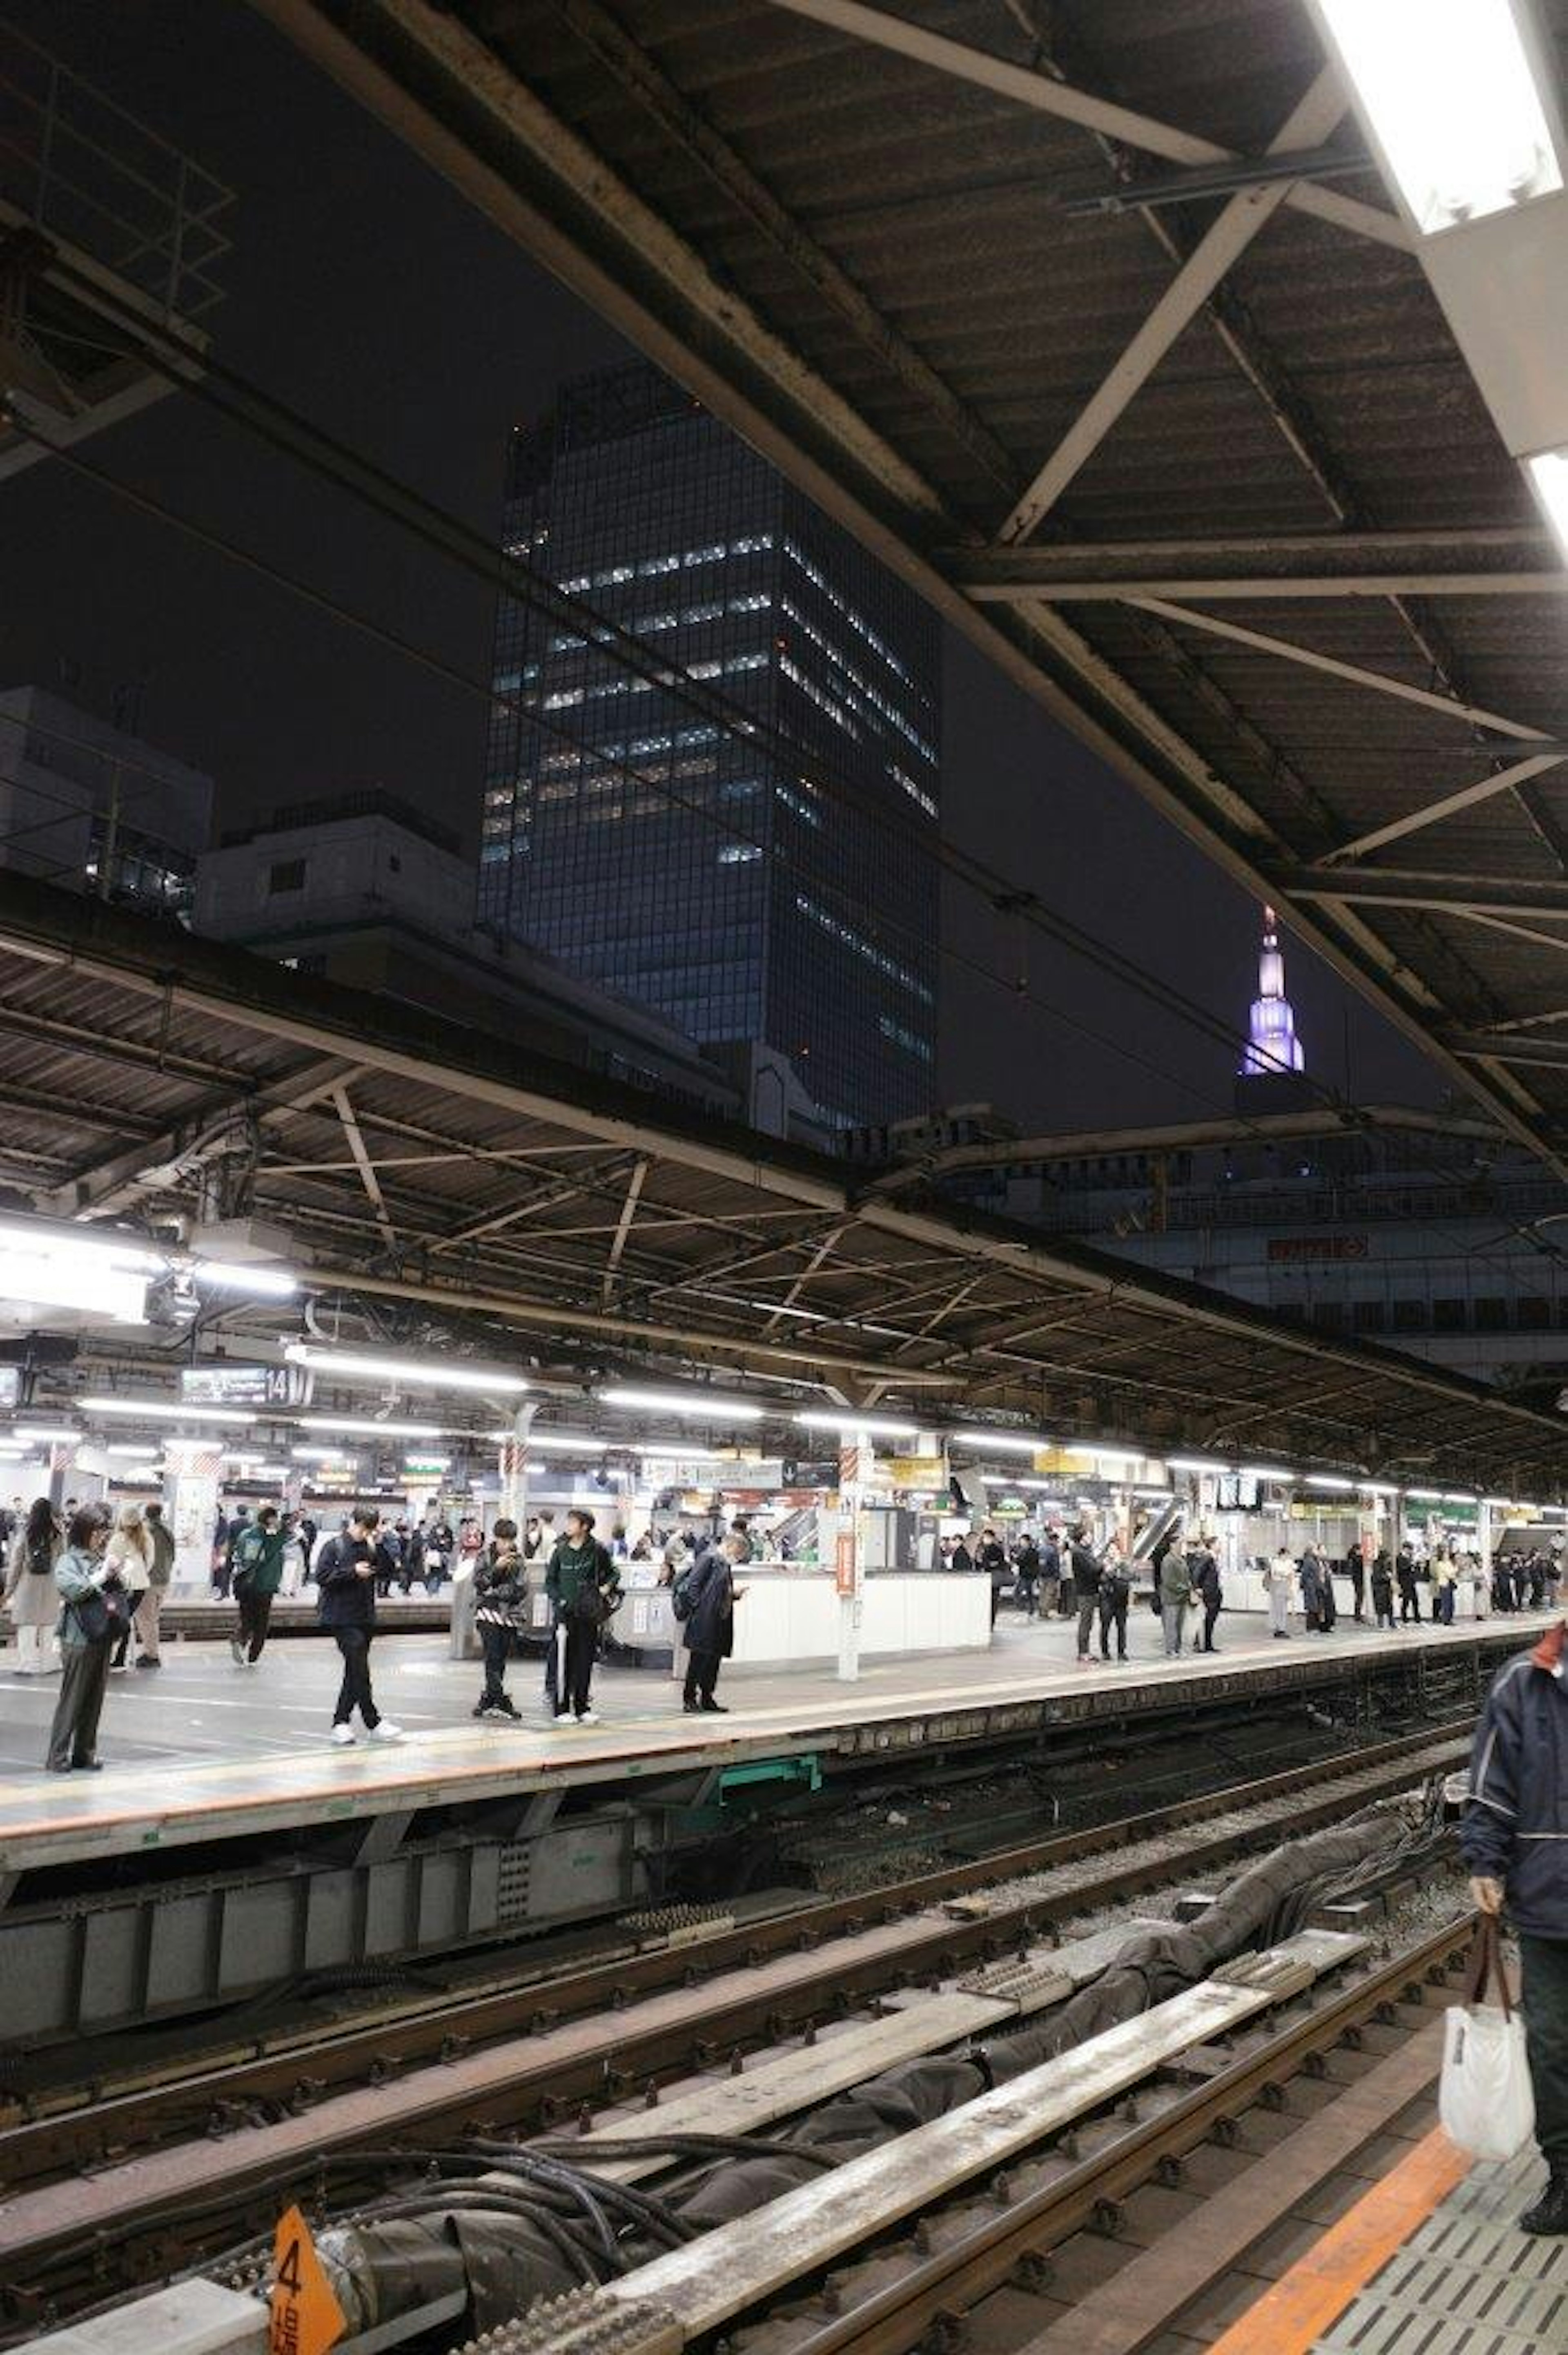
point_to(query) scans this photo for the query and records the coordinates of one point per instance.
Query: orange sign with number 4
(306, 2318)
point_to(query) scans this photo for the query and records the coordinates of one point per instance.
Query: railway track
(90, 2122)
(1137, 2221)
(112, 2193)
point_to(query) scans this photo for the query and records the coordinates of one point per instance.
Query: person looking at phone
(347, 1570)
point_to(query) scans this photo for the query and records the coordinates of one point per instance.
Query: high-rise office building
(764, 871)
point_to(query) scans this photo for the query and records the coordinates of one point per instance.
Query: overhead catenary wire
(251, 406)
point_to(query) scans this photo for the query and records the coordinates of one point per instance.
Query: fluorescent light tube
(238, 1275)
(419, 1373)
(1548, 473)
(1330, 1480)
(166, 1410)
(847, 1425)
(1004, 1442)
(367, 1427)
(1450, 97)
(696, 1403)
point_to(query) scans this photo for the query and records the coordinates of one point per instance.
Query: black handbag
(104, 1616)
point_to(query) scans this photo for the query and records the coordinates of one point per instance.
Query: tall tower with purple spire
(1273, 1066)
(1272, 1044)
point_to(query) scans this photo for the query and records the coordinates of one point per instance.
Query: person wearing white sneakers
(345, 1582)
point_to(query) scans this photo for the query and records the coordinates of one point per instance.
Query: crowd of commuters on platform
(84, 1589)
(1066, 1572)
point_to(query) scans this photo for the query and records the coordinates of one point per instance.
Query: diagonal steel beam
(635, 1184)
(1045, 96)
(1239, 221)
(1443, 893)
(366, 1166)
(1379, 682)
(1434, 813)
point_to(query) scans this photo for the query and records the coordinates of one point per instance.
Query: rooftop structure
(94, 806)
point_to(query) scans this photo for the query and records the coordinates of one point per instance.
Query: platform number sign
(305, 2318)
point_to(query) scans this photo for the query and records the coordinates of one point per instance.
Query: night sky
(364, 293)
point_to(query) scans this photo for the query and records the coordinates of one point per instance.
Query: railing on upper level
(86, 172)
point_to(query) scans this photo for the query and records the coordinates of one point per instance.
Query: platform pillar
(849, 1555)
(191, 1468)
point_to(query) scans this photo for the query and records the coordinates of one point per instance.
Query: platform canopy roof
(1022, 292)
(439, 1189)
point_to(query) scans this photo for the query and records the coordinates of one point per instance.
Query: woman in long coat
(30, 1595)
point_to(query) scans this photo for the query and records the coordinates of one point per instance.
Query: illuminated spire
(1272, 1044)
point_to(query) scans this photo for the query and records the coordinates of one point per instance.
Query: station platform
(1429, 2261)
(203, 1750)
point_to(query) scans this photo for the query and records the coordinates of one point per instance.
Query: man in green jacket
(580, 1583)
(257, 1574)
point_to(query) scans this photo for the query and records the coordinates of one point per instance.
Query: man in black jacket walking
(1512, 1836)
(1204, 1573)
(347, 1570)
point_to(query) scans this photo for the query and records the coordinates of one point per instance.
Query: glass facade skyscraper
(762, 869)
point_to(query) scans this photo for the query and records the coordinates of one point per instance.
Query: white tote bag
(1485, 2099)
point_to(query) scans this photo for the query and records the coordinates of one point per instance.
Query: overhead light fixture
(1499, 1504)
(698, 1404)
(1265, 1472)
(1449, 93)
(878, 1426)
(320, 1456)
(1376, 1488)
(1330, 1480)
(365, 1426)
(1547, 472)
(1002, 1443)
(1460, 1497)
(136, 1449)
(238, 1275)
(1195, 1463)
(52, 1434)
(166, 1410)
(1425, 1496)
(563, 1442)
(70, 1267)
(417, 1373)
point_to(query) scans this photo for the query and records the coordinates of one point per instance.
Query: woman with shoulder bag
(97, 1610)
(30, 1595)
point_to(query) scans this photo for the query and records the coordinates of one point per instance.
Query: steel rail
(227, 2175)
(947, 2281)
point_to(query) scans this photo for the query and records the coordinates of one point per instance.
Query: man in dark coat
(1511, 1833)
(1205, 1573)
(1405, 1579)
(710, 1589)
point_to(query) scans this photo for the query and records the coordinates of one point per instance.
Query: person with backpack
(580, 1584)
(1175, 1595)
(258, 1574)
(345, 1582)
(500, 1608)
(30, 1596)
(704, 1597)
